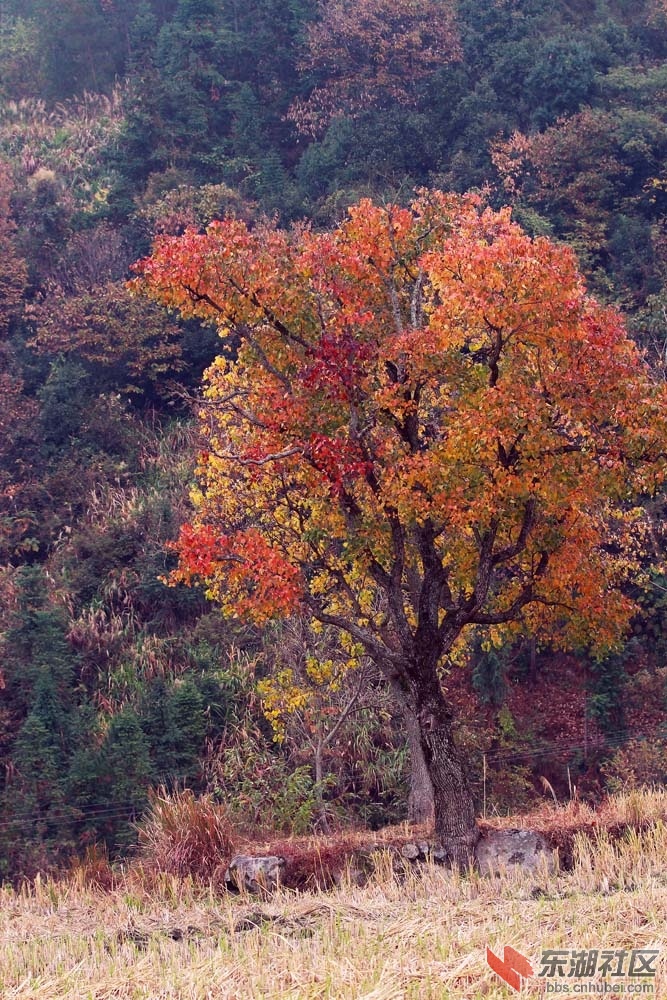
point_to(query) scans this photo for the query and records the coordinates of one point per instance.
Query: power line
(79, 812)
(129, 811)
(121, 812)
(552, 749)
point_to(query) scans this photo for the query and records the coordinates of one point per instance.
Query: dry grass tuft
(185, 835)
(93, 870)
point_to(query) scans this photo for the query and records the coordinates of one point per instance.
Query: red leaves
(340, 360)
(199, 549)
(339, 460)
(243, 571)
(431, 369)
(263, 581)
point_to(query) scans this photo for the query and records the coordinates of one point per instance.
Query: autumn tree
(598, 177)
(429, 429)
(373, 51)
(85, 311)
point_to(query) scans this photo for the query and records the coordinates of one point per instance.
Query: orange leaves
(422, 394)
(244, 573)
(198, 550)
(259, 583)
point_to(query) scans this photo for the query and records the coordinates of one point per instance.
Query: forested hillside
(123, 120)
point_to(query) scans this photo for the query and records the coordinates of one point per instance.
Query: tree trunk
(420, 799)
(455, 823)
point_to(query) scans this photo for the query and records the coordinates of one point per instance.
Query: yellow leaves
(425, 367)
(322, 672)
(495, 639)
(281, 697)
(305, 690)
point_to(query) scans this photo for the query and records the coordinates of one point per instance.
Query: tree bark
(420, 799)
(455, 823)
(420, 796)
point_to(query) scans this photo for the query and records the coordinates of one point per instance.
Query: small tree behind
(429, 427)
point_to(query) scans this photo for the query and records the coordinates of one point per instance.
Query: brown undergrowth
(192, 838)
(319, 861)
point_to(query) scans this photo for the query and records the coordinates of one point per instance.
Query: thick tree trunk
(455, 823)
(420, 799)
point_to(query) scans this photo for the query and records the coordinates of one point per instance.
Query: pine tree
(126, 775)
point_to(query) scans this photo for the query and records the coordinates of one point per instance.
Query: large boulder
(502, 850)
(254, 874)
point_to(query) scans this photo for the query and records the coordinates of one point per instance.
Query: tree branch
(378, 652)
(511, 551)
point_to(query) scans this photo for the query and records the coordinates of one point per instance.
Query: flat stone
(500, 850)
(423, 851)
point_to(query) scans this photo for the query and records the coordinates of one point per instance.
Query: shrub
(638, 764)
(181, 834)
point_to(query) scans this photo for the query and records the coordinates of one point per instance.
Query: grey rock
(424, 850)
(254, 873)
(499, 850)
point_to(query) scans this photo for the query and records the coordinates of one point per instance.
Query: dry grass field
(422, 936)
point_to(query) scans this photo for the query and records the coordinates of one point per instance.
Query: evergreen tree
(125, 775)
(174, 723)
(35, 648)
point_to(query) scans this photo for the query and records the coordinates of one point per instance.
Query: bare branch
(287, 453)
(378, 651)
(416, 314)
(347, 710)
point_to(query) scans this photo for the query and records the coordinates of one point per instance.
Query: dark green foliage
(42, 688)
(64, 400)
(110, 783)
(174, 721)
(489, 675)
(39, 827)
(650, 627)
(35, 650)
(83, 45)
(606, 681)
(561, 78)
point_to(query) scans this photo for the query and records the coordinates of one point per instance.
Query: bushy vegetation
(119, 121)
